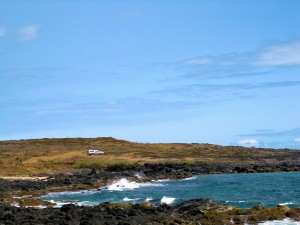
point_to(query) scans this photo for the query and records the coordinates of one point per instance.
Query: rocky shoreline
(197, 211)
(190, 212)
(92, 176)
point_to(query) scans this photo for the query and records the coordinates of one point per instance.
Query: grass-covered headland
(52, 155)
(34, 167)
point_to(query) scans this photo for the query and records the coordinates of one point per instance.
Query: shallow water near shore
(241, 190)
(280, 222)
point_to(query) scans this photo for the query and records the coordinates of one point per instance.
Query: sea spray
(139, 174)
(148, 199)
(124, 184)
(167, 200)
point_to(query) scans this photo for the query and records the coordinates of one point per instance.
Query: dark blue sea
(242, 190)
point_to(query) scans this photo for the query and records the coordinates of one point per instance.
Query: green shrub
(123, 166)
(188, 163)
(112, 205)
(91, 165)
(145, 204)
(112, 166)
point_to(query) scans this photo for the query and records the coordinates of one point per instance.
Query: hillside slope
(38, 156)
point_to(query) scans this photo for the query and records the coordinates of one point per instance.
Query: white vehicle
(95, 152)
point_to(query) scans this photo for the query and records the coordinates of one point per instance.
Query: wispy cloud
(287, 54)
(31, 70)
(269, 132)
(277, 139)
(200, 61)
(297, 139)
(30, 32)
(2, 31)
(226, 60)
(126, 106)
(248, 142)
(29, 73)
(113, 112)
(234, 89)
(234, 65)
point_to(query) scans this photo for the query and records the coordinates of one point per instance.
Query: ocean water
(242, 190)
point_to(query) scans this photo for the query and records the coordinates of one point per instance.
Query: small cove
(241, 190)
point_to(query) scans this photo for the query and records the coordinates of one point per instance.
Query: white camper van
(95, 152)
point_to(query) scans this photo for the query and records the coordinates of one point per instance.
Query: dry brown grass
(38, 156)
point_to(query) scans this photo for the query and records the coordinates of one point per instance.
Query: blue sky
(223, 72)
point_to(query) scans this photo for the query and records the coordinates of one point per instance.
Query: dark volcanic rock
(105, 213)
(150, 171)
(197, 211)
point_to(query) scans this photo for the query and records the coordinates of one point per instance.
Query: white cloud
(200, 61)
(287, 54)
(2, 31)
(297, 139)
(248, 142)
(29, 32)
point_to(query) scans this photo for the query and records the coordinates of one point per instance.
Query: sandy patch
(23, 178)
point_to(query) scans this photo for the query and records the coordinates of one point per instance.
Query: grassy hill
(38, 156)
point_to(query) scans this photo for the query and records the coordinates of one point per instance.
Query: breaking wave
(124, 184)
(287, 203)
(130, 199)
(223, 188)
(189, 178)
(167, 200)
(149, 199)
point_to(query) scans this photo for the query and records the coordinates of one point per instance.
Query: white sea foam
(80, 193)
(59, 204)
(280, 222)
(139, 174)
(124, 184)
(39, 206)
(189, 178)
(287, 203)
(86, 203)
(130, 199)
(235, 201)
(149, 199)
(167, 200)
(161, 181)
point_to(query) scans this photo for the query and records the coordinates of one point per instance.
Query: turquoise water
(242, 190)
